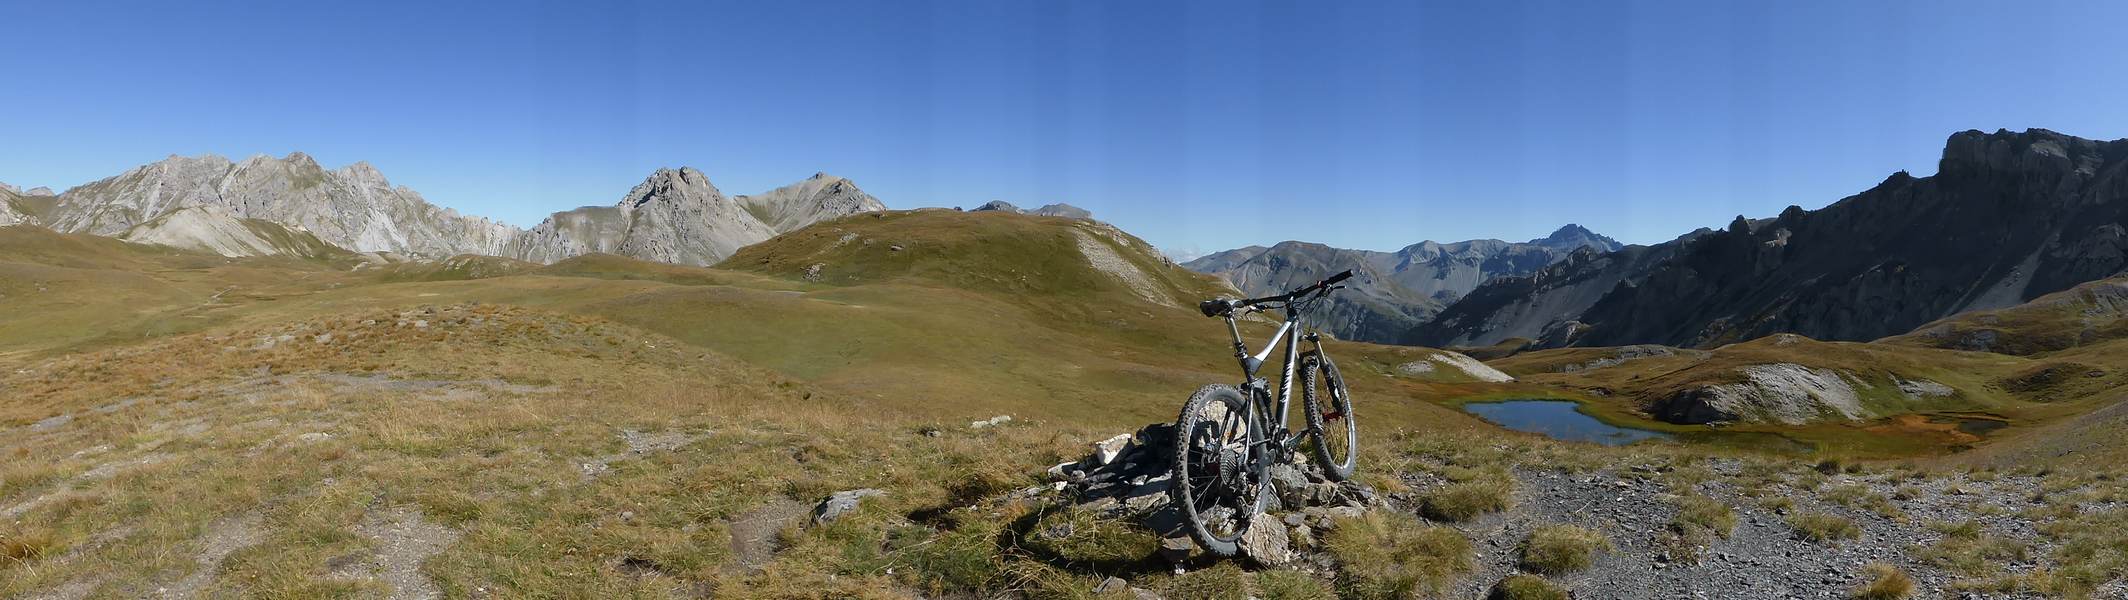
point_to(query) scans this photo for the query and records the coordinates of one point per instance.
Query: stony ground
(1787, 528)
(374, 456)
(1765, 556)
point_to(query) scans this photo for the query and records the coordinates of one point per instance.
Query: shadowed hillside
(2008, 217)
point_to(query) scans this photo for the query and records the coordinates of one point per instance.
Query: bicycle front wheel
(1335, 435)
(1219, 475)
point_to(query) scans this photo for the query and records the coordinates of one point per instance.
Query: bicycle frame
(1291, 332)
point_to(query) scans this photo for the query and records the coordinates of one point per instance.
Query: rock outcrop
(1394, 293)
(11, 213)
(1784, 393)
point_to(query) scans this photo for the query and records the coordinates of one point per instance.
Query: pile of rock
(1128, 476)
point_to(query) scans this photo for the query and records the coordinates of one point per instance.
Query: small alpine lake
(1558, 420)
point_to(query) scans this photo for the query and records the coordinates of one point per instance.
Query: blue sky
(1195, 125)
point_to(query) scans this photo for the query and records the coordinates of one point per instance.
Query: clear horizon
(1198, 126)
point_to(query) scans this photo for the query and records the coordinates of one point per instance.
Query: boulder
(1265, 542)
(1291, 484)
(1107, 450)
(841, 503)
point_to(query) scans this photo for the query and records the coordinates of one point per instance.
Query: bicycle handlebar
(1216, 307)
(1310, 288)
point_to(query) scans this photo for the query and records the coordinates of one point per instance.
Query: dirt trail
(223, 538)
(753, 533)
(401, 540)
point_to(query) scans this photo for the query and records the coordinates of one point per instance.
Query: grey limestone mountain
(678, 216)
(2007, 217)
(353, 207)
(211, 203)
(215, 229)
(675, 216)
(1394, 292)
(1051, 210)
(817, 198)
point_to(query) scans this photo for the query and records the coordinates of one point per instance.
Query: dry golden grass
(1561, 549)
(1823, 527)
(1884, 582)
(602, 428)
(1525, 587)
(1390, 555)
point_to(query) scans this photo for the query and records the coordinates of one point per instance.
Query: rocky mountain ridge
(212, 203)
(1393, 293)
(2007, 218)
(353, 207)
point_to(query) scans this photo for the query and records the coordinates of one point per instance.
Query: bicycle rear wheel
(1219, 473)
(1335, 435)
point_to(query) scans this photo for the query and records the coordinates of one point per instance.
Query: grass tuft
(1223, 581)
(1885, 582)
(1824, 527)
(1083, 537)
(1525, 587)
(1459, 502)
(1701, 512)
(1561, 549)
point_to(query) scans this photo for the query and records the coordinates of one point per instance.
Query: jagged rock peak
(2030, 150)
(998, 205)
(1573, 236)
(667, 183)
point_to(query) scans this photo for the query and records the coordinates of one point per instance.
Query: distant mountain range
(1052, 210)
(2008, 217)
(230, 207)
(1393, 292)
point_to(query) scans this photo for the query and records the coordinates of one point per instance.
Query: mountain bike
(1227, 439)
